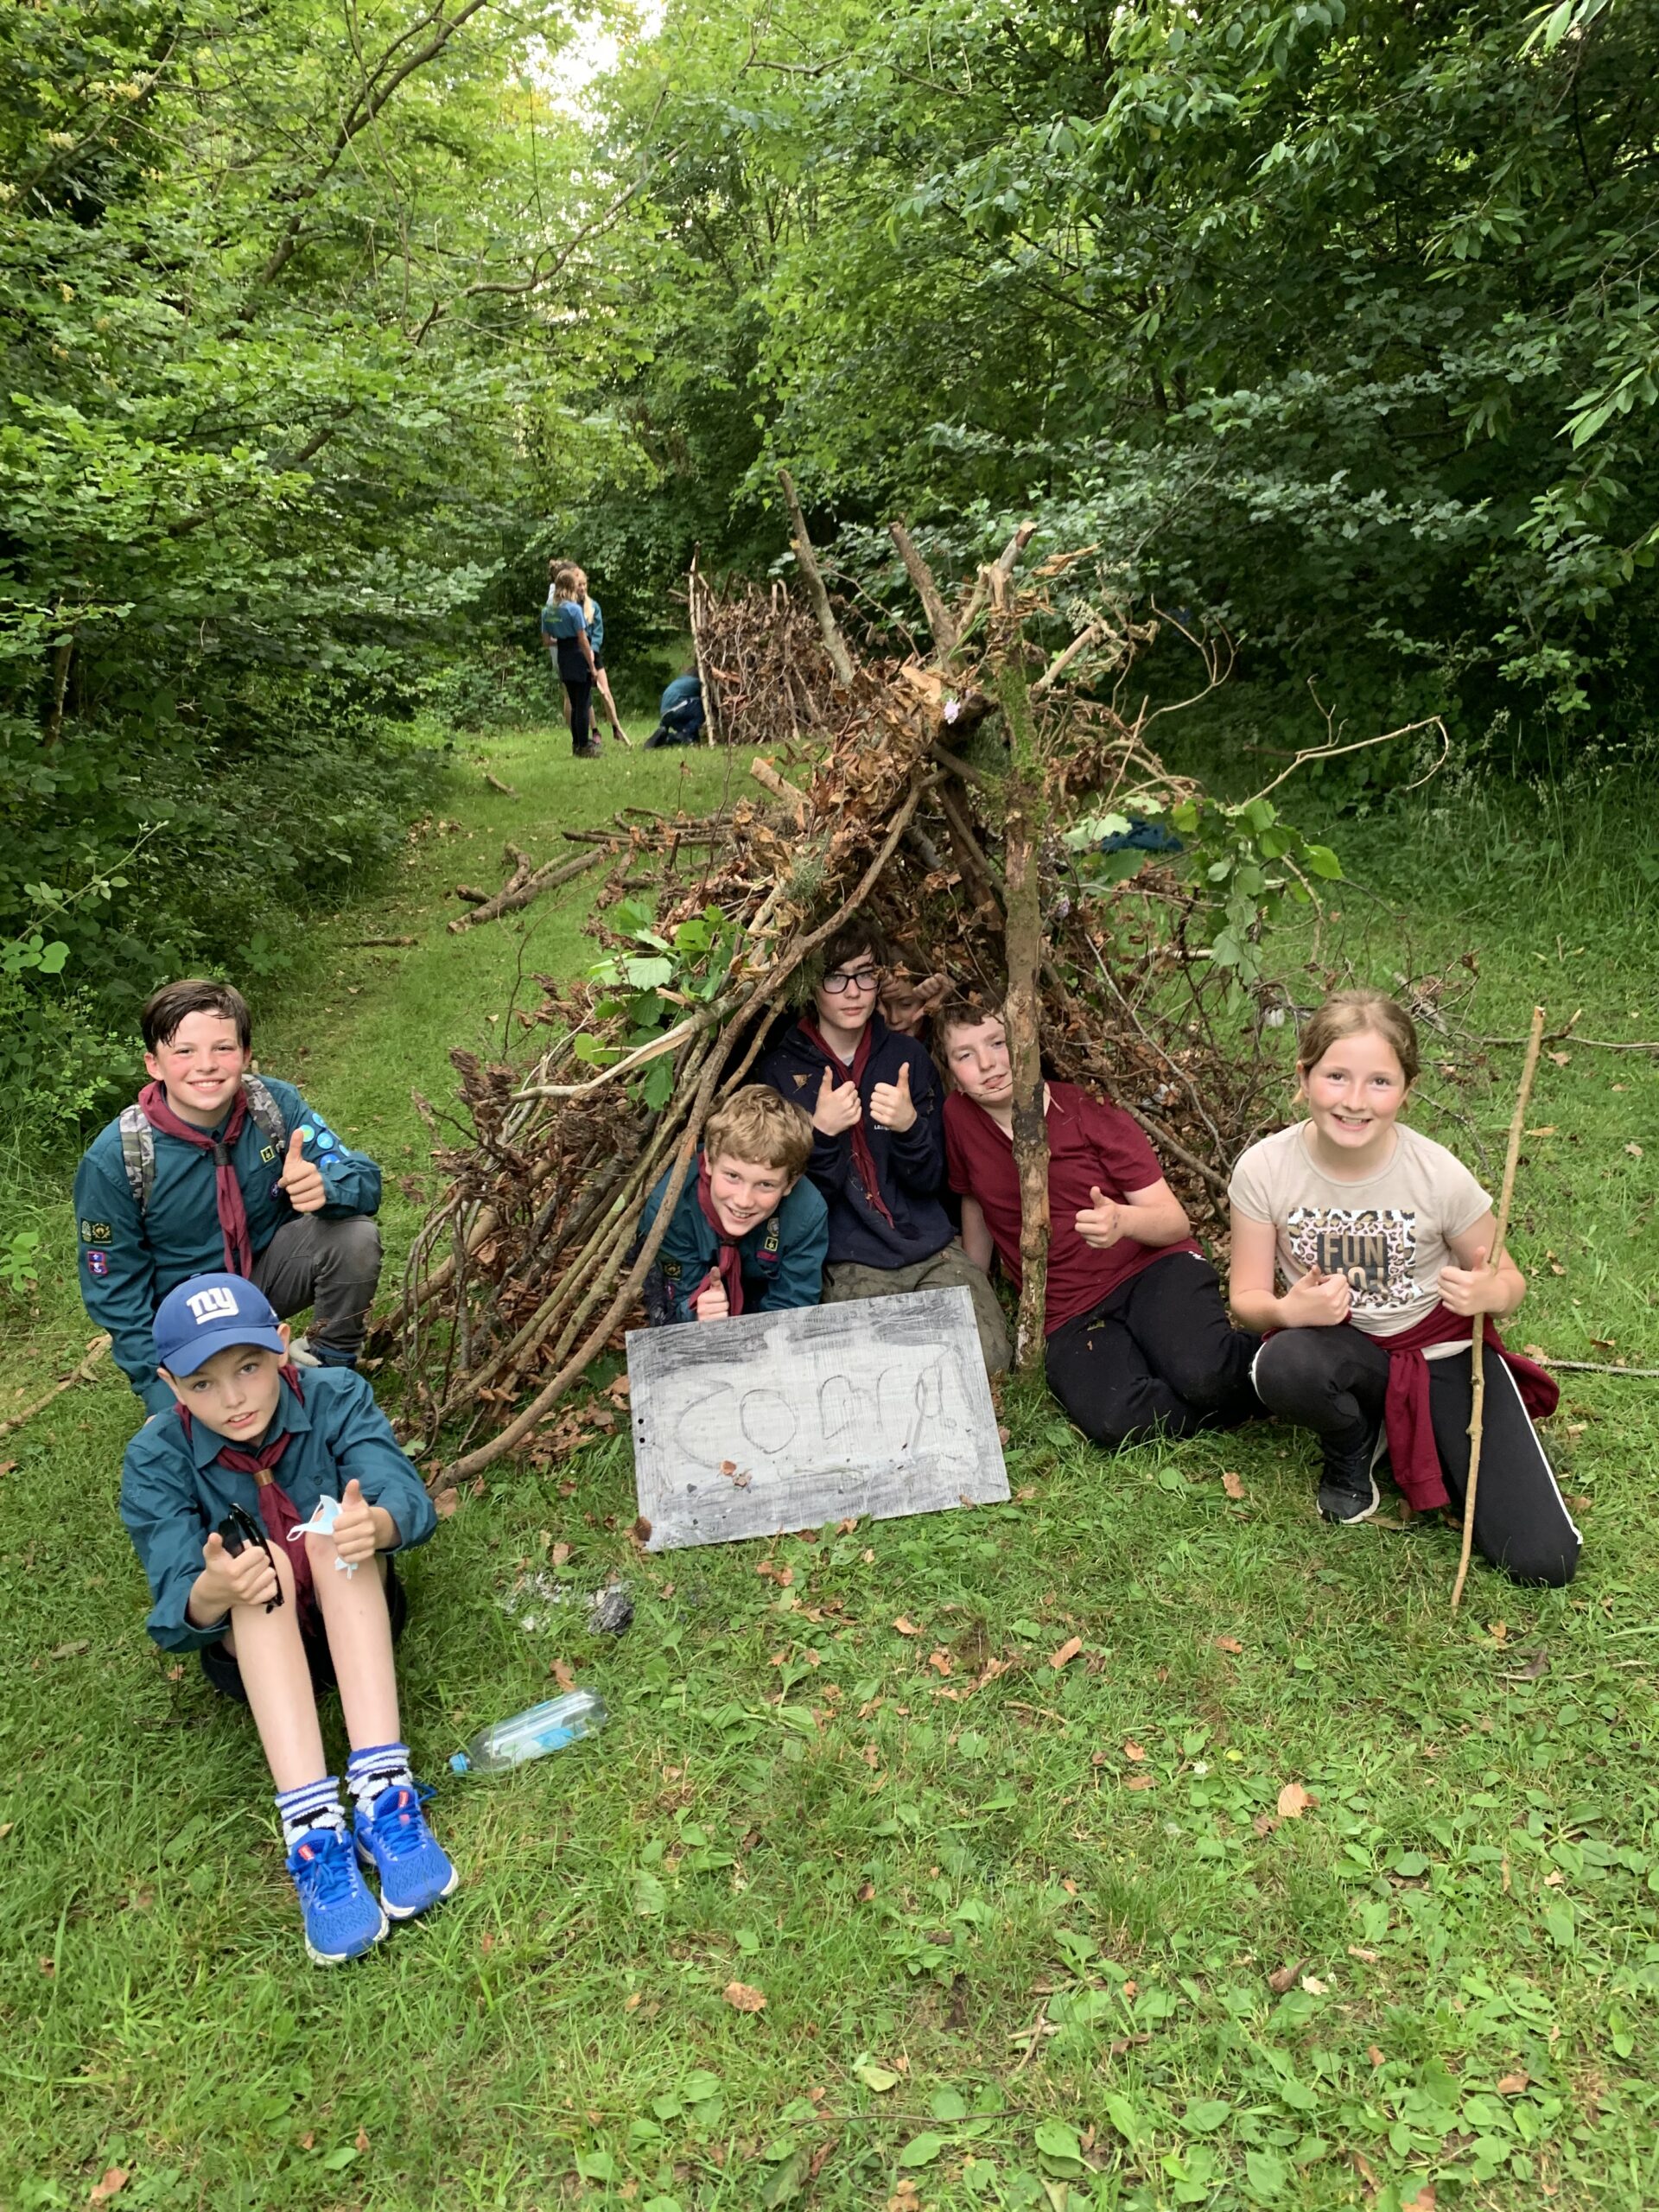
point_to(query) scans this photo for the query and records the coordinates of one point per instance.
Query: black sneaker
(1348, 1489)
(585, 752)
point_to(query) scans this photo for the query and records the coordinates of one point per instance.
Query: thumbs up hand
(1317, 1301)
(355, 1535)
(306, 1192)
(837, 1108)
(890, 1104)
(1101, 1223)
(245, 1578)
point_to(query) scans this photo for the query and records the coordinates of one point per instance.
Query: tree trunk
(1023, 943)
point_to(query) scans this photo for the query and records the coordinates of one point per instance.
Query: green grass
(789, 1797)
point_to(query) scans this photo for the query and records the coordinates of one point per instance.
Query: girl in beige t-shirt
(1382, 1241)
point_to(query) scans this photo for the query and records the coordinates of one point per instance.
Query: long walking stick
(1477, 1357)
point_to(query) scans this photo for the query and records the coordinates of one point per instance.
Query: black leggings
(580, 692)
(1334, 1381)
(1158, 1354)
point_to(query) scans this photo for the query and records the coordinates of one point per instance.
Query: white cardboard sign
(775, 1421)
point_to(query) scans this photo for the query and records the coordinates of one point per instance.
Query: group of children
(855, 1167)
(859, 1165)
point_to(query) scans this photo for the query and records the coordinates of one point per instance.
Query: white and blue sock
(314, 1804)
(376, 1768)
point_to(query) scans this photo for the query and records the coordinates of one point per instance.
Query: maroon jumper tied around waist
(1412, 1453)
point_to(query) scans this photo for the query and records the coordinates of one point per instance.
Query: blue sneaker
(415, 1870)
(342, 1919)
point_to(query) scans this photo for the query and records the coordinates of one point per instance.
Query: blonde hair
(1350, 1013)
(757, 1124)
(564, 582)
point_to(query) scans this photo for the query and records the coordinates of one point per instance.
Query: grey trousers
(332, 1266)
(848, 1279)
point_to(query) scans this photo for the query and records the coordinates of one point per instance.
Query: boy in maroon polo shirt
(1138, 1338)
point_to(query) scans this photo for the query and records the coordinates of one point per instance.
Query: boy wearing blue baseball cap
(253, 1506)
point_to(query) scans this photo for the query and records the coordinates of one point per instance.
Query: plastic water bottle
(526, 1736)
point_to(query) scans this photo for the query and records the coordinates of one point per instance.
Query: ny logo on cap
(209, 1305)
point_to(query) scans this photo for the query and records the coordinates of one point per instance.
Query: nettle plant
(1246, 863)
(652, 989)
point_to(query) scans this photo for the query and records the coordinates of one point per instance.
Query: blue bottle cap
(460, 1763)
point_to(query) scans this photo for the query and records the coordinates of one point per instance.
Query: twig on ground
(95, 1351)
(1598, 1367)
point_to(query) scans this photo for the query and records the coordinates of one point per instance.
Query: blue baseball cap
(211, 1314)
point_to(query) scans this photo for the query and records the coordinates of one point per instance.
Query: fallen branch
(496, 785)
(769, 779)
(1596, 1367)
(519, 894)
(1477, 1360)
(354, 942)
(938, 620)
(96, 1350)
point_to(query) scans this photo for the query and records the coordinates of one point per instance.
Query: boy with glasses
(878, 1141)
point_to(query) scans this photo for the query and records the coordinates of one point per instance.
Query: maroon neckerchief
(841, 1071)
(277, 1509)
(232, 1213)
(1412, 1453)
(728, 1261)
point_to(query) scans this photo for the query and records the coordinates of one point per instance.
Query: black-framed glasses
(237, 1531)
(851, 979)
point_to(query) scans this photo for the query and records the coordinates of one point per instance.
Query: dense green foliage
(1331, 318)
(275, 290)
(322, 329)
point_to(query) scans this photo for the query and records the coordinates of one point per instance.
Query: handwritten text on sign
(774, 1422)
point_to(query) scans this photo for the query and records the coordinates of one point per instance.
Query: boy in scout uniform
(747, 1234)
(215, 1167)
(252, 1507)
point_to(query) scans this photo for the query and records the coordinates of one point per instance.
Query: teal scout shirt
(783, 1256)
(172, 1493)
(129, 1261)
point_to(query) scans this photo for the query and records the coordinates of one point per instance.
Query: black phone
(239, 1530)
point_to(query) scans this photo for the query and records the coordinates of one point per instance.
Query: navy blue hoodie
(910, 1169)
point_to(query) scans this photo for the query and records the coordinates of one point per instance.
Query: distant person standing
(564, 631)
(593, 615)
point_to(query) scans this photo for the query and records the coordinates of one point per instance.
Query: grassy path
(1041, 1937)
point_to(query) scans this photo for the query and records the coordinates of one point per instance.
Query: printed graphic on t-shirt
(1375, 1247)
